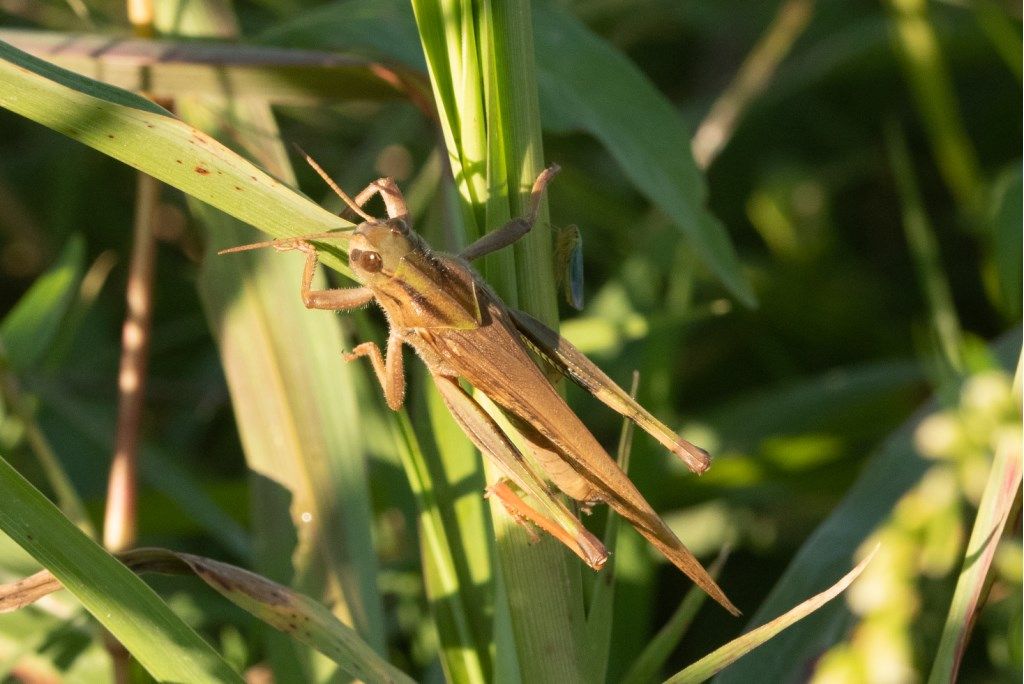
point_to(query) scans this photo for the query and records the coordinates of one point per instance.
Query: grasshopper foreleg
(517, 227)
(390, 371)
(336, 299)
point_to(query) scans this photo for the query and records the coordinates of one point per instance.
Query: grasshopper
(441, 307)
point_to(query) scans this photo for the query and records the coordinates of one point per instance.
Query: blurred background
(865, 160)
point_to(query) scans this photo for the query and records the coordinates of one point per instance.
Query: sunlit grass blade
(724, 656)
(930, 82)
(168, 648)
(292, 393)
(481, 67)
(924, 249)
(654, 656)
(997, 501)
(286, 610)
(294, 399)
(145, 136)
(459, 596)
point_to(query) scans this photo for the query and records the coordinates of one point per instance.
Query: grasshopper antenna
(282, 242)
(334, 186)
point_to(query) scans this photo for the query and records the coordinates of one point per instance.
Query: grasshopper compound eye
(368, 261)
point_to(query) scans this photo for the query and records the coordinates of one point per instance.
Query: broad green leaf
(587, 85)
(724, 656)
(302, 440)
(167, 647)
(30, 328)
(277, 605)
(143, 135)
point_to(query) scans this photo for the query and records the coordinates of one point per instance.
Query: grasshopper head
(378, 247)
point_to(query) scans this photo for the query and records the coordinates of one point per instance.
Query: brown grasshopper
(440, 306)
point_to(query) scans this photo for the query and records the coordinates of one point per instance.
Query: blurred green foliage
(792, 397)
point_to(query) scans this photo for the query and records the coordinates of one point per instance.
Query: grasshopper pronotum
(440, 306)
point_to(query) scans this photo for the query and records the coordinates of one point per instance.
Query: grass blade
(29, 329)
(721, 658)
(650, 661)
(1001, 491)
(167, 647)
(146, 137)
(277, 605)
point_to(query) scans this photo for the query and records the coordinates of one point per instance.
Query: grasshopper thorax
(378, 247)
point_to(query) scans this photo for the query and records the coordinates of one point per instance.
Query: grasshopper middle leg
(517, 227)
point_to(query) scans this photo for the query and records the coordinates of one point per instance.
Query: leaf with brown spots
(278, 606)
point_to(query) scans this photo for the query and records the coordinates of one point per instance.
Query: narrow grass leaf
(292, 393)
(282, 608)
(458, 598)
(1006, 238)
(600, 614)
(145, 136)
(997, 501)
(168, 648)
(720, 658)
(654, 656)
(31, 327)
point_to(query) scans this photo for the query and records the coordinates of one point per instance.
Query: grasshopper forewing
(442, 308)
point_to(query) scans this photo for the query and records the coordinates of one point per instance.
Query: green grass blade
(275, 604)
(292, 393)
(654, 656)
(1005, 243)
(929, 79)
(167, 647)
(31, 327)
(997, 501)
(27, 334)
(600, 613)
(302, 437)
(457, 593)
(720, 658)
(141, 134)
(924, 249)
